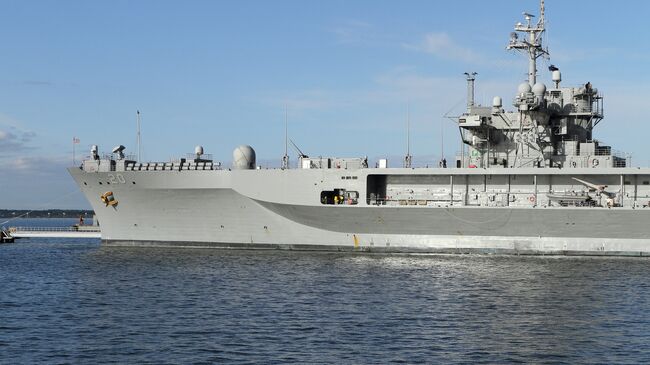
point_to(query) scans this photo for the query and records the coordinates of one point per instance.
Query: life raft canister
(108, 198)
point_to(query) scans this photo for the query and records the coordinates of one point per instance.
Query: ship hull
(165, 209)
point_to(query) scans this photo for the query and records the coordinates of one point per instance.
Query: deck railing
(54, 229)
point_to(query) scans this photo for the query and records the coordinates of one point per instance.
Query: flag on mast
(75, 140)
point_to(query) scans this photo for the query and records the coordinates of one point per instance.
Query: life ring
(532, 199)
(595, 162)
(574, 164)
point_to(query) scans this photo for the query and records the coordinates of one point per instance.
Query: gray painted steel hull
(534, 181)
(204, 209)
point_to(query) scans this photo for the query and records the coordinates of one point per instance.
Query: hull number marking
(116, 179)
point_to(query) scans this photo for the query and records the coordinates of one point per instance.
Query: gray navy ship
(530, 180)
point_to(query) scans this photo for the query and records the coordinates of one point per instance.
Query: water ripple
(79, 302)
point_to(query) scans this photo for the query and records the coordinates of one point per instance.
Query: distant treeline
(48, 213)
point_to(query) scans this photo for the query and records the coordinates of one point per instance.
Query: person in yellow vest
(336, 199)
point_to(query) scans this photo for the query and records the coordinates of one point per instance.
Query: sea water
(76, 301)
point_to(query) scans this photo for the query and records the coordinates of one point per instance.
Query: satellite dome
(198, 150)
(557, 76)
(524, 88)
(243, 158)
(539, 89)
(497, 102)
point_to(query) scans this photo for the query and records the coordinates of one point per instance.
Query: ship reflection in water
(79, 301)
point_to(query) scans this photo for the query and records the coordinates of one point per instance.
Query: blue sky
(219, 74)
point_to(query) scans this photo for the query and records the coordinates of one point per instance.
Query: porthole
(133, 182)
(100, 183)
(85, 183)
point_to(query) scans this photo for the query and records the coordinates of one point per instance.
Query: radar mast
(532, 44)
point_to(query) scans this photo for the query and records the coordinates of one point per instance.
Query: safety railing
(54, 229)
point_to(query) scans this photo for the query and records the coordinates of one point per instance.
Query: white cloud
(354, 31)
(7, 121)
(13, 138)
(440, 44)
(395, 87)
(52, 165)
(39, 183)
(13, 141)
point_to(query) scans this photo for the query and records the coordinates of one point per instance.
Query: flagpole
(74, 162)
(139, 140)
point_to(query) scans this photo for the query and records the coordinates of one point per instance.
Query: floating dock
(5, 237)
(56, 232)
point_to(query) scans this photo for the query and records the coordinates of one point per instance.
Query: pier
(56, 232)
(5, 237)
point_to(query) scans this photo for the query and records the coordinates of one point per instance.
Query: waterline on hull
(376, 249)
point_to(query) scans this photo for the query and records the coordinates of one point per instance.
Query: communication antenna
(532, 46)
(408, 158)
(442, 144)
(300, 153)
(285, 158)
(139, 140)
(454, 119)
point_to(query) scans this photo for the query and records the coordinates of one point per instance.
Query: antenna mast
(139, 141)
(532, 45)
(285, 158)
(443, 161)
(408, 158)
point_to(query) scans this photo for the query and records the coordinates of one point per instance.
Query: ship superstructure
(531, 180)
(549, 127)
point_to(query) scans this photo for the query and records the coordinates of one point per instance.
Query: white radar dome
(557, 76)
(198, 150)
(497, 102)
(524, 88)
(539, 89)
(243, 158)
